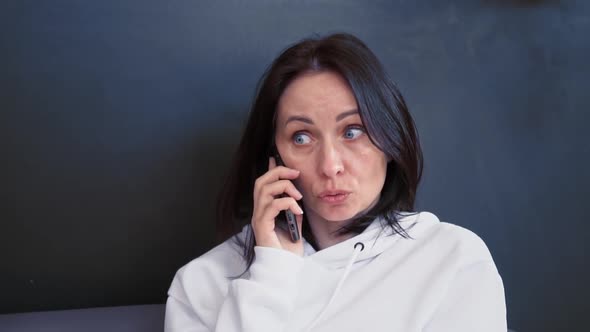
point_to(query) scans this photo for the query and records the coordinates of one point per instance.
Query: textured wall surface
(118, 120)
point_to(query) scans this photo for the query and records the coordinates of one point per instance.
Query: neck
(325, 232)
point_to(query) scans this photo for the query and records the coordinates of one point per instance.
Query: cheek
(305, 179)
(372, 165)
(368, 157)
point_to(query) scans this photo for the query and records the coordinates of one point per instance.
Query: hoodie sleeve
(262, 302)
(474, 302)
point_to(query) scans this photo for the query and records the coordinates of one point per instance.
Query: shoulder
(465, 286)
(222, 259)
(450, 239)
(208, 275)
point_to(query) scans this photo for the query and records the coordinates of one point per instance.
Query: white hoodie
(443, 278)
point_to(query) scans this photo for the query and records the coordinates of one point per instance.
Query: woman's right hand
(268, 203)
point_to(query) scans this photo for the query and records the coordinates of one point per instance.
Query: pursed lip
(333, 193)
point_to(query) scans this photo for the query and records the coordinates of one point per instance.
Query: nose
(331, 163)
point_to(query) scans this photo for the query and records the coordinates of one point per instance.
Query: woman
(352, 164)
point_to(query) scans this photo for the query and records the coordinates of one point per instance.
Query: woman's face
(320, 133)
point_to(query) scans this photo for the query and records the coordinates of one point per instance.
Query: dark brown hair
(383, 112)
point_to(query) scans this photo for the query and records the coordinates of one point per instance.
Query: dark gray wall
(118, 119)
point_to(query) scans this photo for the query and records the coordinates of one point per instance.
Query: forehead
(316, 92)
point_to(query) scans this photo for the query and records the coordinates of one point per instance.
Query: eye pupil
(351, 133)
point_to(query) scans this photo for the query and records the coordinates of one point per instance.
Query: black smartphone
(287, 216)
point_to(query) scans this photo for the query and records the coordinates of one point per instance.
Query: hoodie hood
(428, 281)
(376, 238)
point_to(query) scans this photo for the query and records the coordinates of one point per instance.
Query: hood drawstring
(358, 247)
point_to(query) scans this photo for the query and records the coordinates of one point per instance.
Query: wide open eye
(353, 132)
(300, 138)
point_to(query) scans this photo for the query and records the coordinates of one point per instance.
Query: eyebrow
(345, 114)
(339, 117)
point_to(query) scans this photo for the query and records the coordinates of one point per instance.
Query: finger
(275, 207)
(272, 163)
(281, 172)
(273, 175)
(280, 187)
(285, 203)
(274, 191)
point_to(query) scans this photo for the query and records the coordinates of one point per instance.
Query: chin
(338, 215)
